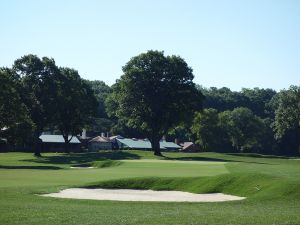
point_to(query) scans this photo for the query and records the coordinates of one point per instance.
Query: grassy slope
(271, 184)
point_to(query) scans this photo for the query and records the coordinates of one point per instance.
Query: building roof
(100, 139)
(167, 144)
(134, 143)
(145, 144)
(4, 128)
(190, 146)
(187, 145)
(115, 137)
(49, 138)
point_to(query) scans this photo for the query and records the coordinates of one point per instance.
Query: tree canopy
(55, 97)
(12, 109)
(38, 92)
(75, 104)
(287, 117)
(155, 93)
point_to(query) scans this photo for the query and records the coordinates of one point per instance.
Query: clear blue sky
(228, 43)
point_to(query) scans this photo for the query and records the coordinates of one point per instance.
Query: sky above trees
(228, 43)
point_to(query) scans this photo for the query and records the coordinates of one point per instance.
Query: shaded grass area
(256, 155)
(31, 167)
(271, 186)
(87, 158)
(81, 158)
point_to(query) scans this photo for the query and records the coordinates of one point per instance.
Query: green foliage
(154, 94)
(100, 123)
(37, 91)
(75, 103)
(38, 88)
(206, 129)
(257, 100)
(181, 133)
(277, 114)
(224, 99)
(101, 91)
(287, 120)
(238, 130)
(16, 126)
(244, 129)
(54, 97)
(12, 109)
(287, 114)
(20, 134)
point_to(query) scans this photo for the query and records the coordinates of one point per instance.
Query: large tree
(244, 129)
(101, 91)
(155, 93)
(100, 123)
(15, 123)
(287, 118)
(206, 129)
(75, 104)
(12, 109)
(38, 90)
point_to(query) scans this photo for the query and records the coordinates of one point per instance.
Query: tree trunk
(37, 152)
(156, 146)
(37, 144)
(67, 149)
(67, 142)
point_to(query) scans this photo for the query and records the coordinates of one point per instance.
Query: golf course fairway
(270, 184)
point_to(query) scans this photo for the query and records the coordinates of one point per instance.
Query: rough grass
(271, 185)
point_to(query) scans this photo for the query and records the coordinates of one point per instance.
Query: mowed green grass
(271, 185)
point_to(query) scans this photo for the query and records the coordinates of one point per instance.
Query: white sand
(81, 167)
(141, 195)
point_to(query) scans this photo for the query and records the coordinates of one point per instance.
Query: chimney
(102, 134)
(176, 141)
(83, 135)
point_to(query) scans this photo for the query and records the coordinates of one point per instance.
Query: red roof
(100, 139)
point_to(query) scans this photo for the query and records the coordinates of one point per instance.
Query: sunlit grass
(271, 185)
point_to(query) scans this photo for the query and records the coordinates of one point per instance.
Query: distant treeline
(36, 96)
(251, 120)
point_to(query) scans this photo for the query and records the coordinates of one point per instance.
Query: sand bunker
(82, 167)
(141, 195)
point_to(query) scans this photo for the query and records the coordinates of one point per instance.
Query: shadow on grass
(256, 155)
(85, 158)
(209, 159)
(82, 158)
(197, 158)
(31, 167)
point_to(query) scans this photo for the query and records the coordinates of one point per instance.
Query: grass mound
(106, 163)
(246, 185)
(100, 164)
